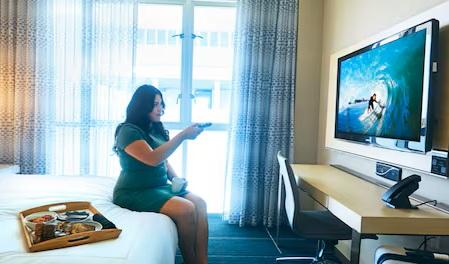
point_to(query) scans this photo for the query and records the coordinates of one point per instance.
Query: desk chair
(319, 225)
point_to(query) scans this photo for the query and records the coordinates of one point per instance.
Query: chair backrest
(292, 205)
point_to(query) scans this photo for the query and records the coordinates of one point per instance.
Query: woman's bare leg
(183, 213)
(202, 229)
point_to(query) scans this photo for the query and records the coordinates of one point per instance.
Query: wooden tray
(69, 240)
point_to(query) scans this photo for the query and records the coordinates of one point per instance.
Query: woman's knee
(187, 210)
(200, 204)
(179, 209)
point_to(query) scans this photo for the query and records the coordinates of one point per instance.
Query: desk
(357, 203)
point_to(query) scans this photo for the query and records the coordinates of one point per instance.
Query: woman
(143, 146)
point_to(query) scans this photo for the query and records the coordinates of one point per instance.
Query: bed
(145, 238)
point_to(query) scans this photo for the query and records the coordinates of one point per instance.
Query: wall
(417, 161)
(310, 23)
(346, 22)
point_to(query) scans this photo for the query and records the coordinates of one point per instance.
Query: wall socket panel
(388, 171)
(439, 163)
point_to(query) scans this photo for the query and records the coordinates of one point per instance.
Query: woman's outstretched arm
(141, 151)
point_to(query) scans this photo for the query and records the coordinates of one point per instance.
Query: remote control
(203, 125)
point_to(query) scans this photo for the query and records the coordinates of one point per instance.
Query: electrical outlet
(439, 163)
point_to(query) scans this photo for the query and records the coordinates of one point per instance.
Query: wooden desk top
(358, 203)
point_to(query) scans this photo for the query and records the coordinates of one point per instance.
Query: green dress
(140, 187)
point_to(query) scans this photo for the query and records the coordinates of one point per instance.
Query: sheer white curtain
(94, 62)
(88, 59)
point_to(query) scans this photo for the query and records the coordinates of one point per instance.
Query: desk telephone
(397, 195)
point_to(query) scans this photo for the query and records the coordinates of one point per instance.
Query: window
(177, 47)
(172, 37)
(204, 38)
(194, 73)
(161, 37)
(142, 36)
(214, 39)
(224, 41)
(151, 35)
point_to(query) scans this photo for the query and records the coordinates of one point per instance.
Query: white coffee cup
(178, 184)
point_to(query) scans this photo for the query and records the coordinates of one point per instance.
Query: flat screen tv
(384, 90)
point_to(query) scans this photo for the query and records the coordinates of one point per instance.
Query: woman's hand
(192, 131)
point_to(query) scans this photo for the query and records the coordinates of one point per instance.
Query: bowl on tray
(44, 217)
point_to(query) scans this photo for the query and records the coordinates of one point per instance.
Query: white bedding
(145, 238)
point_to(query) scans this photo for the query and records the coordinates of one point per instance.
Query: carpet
(230, 244)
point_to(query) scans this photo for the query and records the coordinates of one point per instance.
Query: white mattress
(145, 238)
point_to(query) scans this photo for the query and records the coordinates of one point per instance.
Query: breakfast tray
(68, 240)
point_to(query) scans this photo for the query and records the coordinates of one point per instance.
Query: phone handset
(397, 195)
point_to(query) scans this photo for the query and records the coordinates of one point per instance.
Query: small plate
(94, 224)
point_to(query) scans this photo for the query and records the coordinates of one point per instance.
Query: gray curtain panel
(263, 107)
(26, 82)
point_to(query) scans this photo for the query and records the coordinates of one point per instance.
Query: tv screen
(383, 90)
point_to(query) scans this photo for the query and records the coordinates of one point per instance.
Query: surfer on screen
(371, 101)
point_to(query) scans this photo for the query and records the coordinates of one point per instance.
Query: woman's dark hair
(141, 104)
